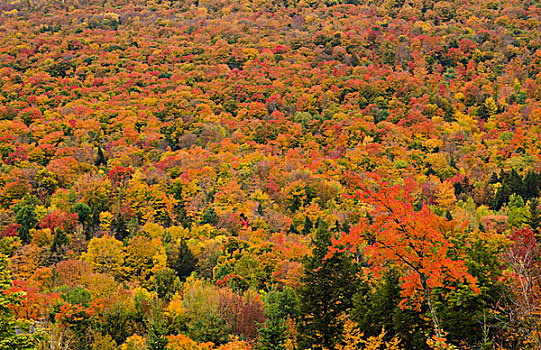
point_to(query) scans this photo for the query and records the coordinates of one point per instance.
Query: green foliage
(181, 260)
(327, 291)
(166, 283)
(378, 305)
(209, 217)
(26, 219)
(273, 332)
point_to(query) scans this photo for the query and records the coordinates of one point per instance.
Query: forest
(270, 174)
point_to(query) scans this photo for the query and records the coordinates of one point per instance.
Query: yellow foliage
(134, 342)
(446, 195)
(41, 237)
(182, 342)
(105, 255)
(106, 218)
(353, 339)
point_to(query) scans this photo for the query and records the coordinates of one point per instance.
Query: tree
(84, 214)
(166, 283)
(100, 158)
(273, 332)
(533, 216)
(9, 339)
(326, 292)
(105, 255)
(522, 258)
(308, 226)
(26, 219)
(181, 260)
(396, 235)
(209, 217)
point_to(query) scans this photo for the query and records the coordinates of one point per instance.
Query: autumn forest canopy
(270, 174)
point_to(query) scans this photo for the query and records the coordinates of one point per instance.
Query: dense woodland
(270, 174)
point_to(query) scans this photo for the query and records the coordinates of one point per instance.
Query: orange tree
(396, 234)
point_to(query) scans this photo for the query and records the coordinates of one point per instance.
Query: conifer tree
(209, 217)
(533, 217)
(308, 226)
(326, 293)
(100, 158)
(181, 260)
(273, 332)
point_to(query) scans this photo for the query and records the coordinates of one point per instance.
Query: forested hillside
(270, 174)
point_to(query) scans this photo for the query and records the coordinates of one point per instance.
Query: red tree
(396, 235)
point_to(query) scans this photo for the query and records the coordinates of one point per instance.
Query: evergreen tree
(533, 217)
(84, 214)
(501, 197)
(308, 226)
(531, 185)
(210, 217)
(515, 183)
(119, 227)
(157, 327)
(100, 158)
(166, 283)
(273, 332)
(493, 178)
(27, 220)
(59, 247)
(181, 260)
(60, 239)
(376, 307)
(292, 229)
(326, 293)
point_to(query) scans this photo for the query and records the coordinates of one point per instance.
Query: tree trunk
(431, 305)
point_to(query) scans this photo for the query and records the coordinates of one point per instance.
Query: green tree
(26, 219)
(209, 217)
(157, 327)
(100, 158)
(533, 216)
(308, 226)
(273, 332)
(376, 308)
(166, 283)
(327, 291)
(84, 214)
(181, 260)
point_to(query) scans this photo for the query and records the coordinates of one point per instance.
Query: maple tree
(396, 234)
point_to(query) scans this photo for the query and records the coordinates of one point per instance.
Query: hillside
(264, 174)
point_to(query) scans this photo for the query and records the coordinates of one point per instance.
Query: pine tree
(531, 184)
(308, 226)
(157, 327)
(181, 260)
(327, 291)
(100, 158)
(515, 183)
(292, 229)
(533, 217)
(273, 332)
(209, 217)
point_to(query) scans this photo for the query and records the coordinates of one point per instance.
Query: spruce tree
(100, 158)
(181, 260)
(273, 332)
(308, 226)
(209, 217)
(326, 293)
(533, 217)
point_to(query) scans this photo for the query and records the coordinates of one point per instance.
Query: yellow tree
(105, 255)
